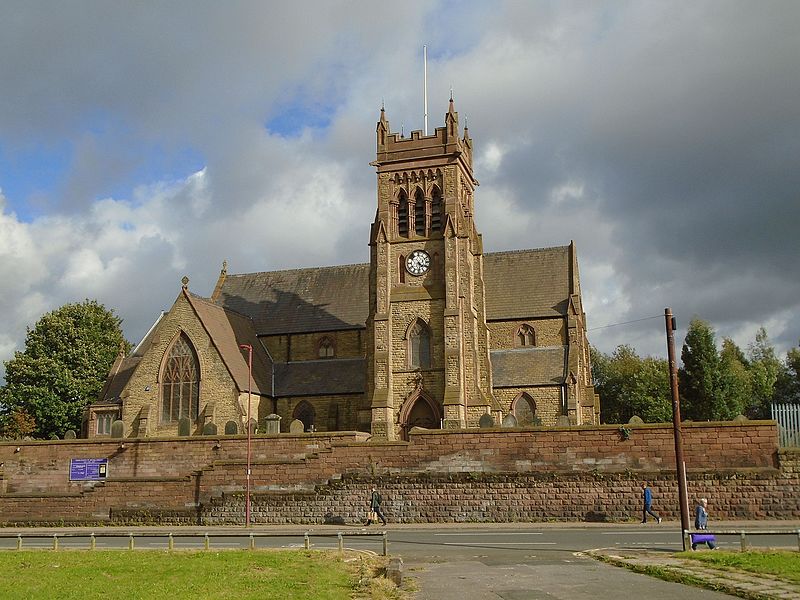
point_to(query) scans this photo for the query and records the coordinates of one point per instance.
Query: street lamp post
(249, 349)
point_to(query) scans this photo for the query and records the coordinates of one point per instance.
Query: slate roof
(529, 366)
(228, 329)
(300, 300)
(527, 283)
(328, 376)
(519, 285)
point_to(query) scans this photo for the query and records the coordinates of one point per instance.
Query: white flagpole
(425, 85)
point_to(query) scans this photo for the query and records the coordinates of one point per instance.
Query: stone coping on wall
(603, 427)
(349, 436)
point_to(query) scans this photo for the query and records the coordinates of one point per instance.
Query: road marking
(497, 533)
(650, 532)
(502, 543)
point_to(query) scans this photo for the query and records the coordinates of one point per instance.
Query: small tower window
(419, 346)
(326, 349)
(526, 336)
(436, 210)
(402, 215)
(419, 212)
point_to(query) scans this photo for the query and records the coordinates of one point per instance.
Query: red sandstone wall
(183, 474)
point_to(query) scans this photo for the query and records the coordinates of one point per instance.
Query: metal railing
(207, 537)
(742, 534)
(788, 418)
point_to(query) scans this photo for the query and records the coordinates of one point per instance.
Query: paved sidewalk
(735, 582)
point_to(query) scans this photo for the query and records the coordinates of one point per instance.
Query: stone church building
(432, 332)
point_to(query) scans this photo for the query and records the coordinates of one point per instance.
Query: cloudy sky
(144, 141)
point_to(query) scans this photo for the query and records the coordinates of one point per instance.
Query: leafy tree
(631, 385)
(702, 385)
(787, 384)
(16, 424)
(764, 369)
(734, 378)
(67, 356)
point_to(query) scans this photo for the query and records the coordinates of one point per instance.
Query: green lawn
(785, 565)
(283, 575)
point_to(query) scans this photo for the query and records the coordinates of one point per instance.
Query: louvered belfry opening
(402, 214)
(419, 212)
(436, 210)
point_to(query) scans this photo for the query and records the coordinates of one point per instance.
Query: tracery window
(180, 387)
(419, 346)
(326, 349)
(525, 336)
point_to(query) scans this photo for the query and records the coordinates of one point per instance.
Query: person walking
(701, 524)
(647, 507)
(375, 508)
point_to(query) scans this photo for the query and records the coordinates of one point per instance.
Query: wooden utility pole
(680, 464)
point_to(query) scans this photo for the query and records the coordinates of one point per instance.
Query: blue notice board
(88, 469)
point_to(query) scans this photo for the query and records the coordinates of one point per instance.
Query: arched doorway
(419, 412)
(305, 412)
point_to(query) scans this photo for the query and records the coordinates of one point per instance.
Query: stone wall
(348, 343)
(548, 332)
(497, 474)
(217, 388)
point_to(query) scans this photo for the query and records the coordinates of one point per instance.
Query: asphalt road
(464, 562)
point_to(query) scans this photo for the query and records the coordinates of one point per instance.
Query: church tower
(428, 347)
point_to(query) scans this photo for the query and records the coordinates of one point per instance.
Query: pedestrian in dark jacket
(375, 508)
(647, 504)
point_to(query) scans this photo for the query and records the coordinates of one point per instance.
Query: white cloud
(668, 158)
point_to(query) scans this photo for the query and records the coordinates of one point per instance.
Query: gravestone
(486, 421)
(69, 434)
(231, 428)
(117, 429)
(739, 419)
(184, 427)
(296, 426)
(272, 423)
(210, 429)
(635, 420)
(509, 420)
(563, 421)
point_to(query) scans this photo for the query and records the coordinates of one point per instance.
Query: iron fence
(788, 418)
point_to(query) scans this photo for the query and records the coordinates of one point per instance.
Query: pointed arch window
(419, 346)
(402, 214)
(180, 386)
(524, 409)
(419, 212)
(525, 336)
(436, 210)
(326, 348)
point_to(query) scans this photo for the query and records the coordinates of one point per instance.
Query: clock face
(418, 262)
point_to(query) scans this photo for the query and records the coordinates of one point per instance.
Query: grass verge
(784, 565)
(145, 575)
